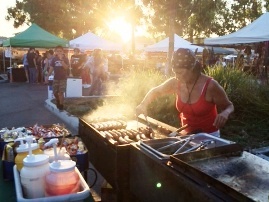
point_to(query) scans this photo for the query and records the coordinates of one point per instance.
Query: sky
(6, 27)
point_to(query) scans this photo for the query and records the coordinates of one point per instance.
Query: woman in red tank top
(202, 103)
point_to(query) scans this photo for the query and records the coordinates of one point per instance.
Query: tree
(68, 18)
(192, 18)
(241, 13)
(59, 17)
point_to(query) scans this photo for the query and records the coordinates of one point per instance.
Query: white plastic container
(62, 178)
(50, 87)
(32, 174)
(73, 87)
(84, 191)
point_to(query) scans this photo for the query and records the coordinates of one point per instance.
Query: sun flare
(121, 27)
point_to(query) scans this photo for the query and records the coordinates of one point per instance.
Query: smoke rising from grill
(126, 93)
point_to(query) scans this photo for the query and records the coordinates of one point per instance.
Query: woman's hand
(221, 119)
(141, 109)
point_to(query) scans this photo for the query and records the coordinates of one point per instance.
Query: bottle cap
(62, 166)
(35, 160)
(24, 147)
(32, 160)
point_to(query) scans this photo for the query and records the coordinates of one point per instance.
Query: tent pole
(4, 61)
(10, 58)
(11, 73)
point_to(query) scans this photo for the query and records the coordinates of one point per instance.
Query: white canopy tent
(255, 32)
(91, 41)
(162, 46)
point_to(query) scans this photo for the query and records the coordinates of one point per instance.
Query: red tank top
(199, 116)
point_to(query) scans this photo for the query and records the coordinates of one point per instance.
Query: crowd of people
(81, 66)
(93, 70)
(36, 66)
(252, 58)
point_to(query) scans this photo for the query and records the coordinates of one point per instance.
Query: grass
(248, 125)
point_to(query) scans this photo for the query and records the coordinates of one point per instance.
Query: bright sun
(121, 27)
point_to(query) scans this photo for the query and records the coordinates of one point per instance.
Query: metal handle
(147, 121)
(172, 144)
(187, 142)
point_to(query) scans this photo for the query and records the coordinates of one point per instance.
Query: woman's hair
(184, 58)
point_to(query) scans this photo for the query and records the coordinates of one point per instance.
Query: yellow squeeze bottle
(22, 151)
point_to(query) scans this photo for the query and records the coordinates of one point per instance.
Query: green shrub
(248, 125)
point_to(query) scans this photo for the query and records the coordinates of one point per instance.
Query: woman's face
(182, 74)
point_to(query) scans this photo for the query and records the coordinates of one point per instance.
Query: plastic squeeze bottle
(33, 172)
(22, 151)
(61, 153)
(62, 178)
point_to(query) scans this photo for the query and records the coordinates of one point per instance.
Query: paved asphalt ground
(23, 104)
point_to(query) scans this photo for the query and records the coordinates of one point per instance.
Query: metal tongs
(201, 145)
(148, 124)
(175, 133)
(185, 140)
(171, 145)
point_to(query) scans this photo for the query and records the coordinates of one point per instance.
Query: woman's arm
(168, 87)
(224, 105)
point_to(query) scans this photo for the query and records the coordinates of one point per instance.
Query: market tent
(162, 46)
(35, 37)
(91, 41)
(255, 32)
(219, 50)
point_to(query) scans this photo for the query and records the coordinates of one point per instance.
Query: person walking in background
(97, 71)
(85, 73)
(39, 75)
(59, 65)
(76, 63)
(47, 61)
(43, 67)
(88, 66)
(31, 58)
(26, 66)
(105, 63)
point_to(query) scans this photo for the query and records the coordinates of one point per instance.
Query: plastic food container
(35, 168)
(83, 193)
(62, 179)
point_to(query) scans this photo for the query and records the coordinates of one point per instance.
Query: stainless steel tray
(163, 148)
(228, 169)
(151, 146)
